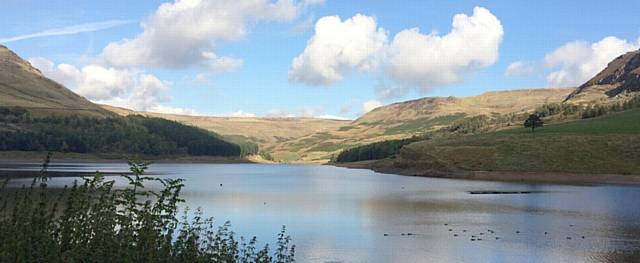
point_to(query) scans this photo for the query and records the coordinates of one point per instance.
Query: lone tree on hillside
(533, 122)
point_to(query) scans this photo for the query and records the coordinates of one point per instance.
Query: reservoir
(350, 215)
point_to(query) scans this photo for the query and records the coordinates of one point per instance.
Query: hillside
(620, 77)
(406, 119)
(23, 85)
(115, 136)
(490, 103)
(318, 140)
(38, 114)
(595, 130)
(604, 145)
(268, 133)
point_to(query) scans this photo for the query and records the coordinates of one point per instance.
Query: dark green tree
(122, 135)
(533, 122)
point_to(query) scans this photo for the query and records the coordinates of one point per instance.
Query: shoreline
(564, 178)
(382, 166)
(13, 174)
(38, 157)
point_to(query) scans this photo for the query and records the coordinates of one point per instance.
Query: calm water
(342, 215)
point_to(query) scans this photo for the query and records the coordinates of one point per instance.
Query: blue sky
(243, 64)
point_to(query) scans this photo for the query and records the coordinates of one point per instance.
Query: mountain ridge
(490, 102)
(621, 76)
(22, 85)
(314, 139)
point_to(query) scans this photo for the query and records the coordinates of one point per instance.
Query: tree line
(129, 135)
(374, 151)
(484, 123)
(599, 110)
(588, 111)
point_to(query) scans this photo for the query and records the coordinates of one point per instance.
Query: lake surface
(348, 215)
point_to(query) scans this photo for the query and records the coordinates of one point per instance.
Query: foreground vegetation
(96, 222)
(129, 135)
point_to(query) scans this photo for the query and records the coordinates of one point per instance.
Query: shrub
(471, 125)
(95, 222)
(374, 151)
(533, 122)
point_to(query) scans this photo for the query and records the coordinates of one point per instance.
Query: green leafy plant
(94, 221)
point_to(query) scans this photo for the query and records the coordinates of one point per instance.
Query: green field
(627, 122)
(608, 144)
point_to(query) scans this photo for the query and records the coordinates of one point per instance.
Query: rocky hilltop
(620, 77)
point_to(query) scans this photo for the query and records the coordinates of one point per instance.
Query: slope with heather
(417, 117)
(24, 86)
(38, 114)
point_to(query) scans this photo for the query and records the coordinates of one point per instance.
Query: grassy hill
(407, 119)
(23, 85)
(318, 140)
(607, 144)
(268, 133)
(489, 103)
(38, 114)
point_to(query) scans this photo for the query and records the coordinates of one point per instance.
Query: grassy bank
(604, 145)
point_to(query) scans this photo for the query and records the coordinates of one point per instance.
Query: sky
(311, 58)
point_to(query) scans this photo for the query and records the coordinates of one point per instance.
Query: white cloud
(279, 113)
(98, 83)
(119, 87)
(149, 92)
(427, 61)
(69, 30)
(317, 112)
(240, 113)
(220, 64)
(337, 48)
(174, 110)
(412, 59)
(370, 105)
(331, 117)
(304, 112)
(184, 33)
(520, 68)
(578, 61)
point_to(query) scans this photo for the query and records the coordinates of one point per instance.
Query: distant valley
(317, 140)
(420, 124)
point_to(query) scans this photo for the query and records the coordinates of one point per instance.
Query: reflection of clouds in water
(336, 214)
